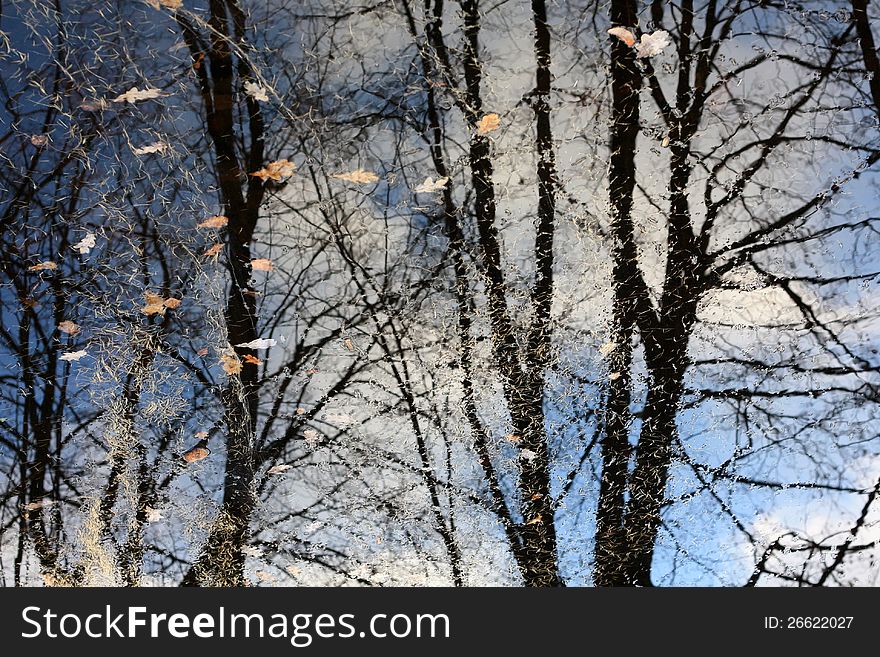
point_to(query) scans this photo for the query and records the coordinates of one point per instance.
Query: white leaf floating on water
(528, 455)
(259, 343)
(153, 515)
(73, 355)
(134, 94)
(652, 44)
(256, 91)
(155, 147)
(430, 185)
(341, 419)
(279, 469)
(607, 348)
(623, 34)
(312, 437)
(86, 244)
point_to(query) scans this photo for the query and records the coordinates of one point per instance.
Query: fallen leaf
(359, 176)
(93, 105)
(217, 221)
(276, 170)
(342, 419)
(202, 352)
(537, 520)
(157, 304)
(489, 123)
(528, 455)
(170, 4)
(652, 44)
(300, 411)
(68, 327)
(279, 469)
(153, 515)
(43, 266)
(348, 344)
(39, 504)
(86, 244)
(230, 362)
(256, 91)
(197, 453)
(607, 348)
(263, 576)
(73, 355)
(623, 34)
(259, 343)
(214, 250)
(156, 147)
(536, 496)
(40, 140)
(614, 376)
(665, 142)
(311, 437)
(262, 264)
(513, 438)
(134, 94)
(253, 360)
(430, 185)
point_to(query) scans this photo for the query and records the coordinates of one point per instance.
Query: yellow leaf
(488, 123)
(359, 176)
(537, 520)
(214, 250)
(217, 221)
(43, 266)
(348, 344)
(262, 264)
(276, 170)
(253, 360)
(512, 438)
(68, 327)
(172, 303)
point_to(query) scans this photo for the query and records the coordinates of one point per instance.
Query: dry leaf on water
(213, 251)
(607, 348)
(259, 343)
(153, 515)
(262, 264)
(348, 343)
(256, 91)
(276, 170)
(72, 356)
(155, 147)
(86, 244)
(48, 265)
(230, 362)
(512, 438)
(537, 520)
(217, 221)
(623, 34)
(652, 44)
(40, 140)
(489, 123)
(197, 453)
(279, 469)
(157, 304)
(134, 94)
(253, 360)
(170, 4)
(71, 328)
(528, 455)
(430, 185)
(358, 176)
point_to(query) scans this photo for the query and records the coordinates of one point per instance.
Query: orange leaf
(253, 360)
(43, 266)
(488, 123)
(275, 170)
(230, 362)
(172, 303)
(214, 250)
(217, 221)
(262, 264)
(68, 327)
(197, 453)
